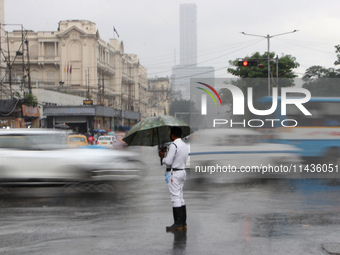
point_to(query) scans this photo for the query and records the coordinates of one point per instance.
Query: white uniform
(177, 157)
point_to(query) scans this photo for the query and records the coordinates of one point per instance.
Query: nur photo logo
(295, 96)
(204, 97)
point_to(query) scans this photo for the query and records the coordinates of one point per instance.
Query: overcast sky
(150, 28)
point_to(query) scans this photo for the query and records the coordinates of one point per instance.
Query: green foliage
(316, 72)
(30, 99)
(286, 64)
(320, 81)
(337, 47)
(257, 78)
(16, 94)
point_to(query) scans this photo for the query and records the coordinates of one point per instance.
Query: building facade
(159, 90)
(74, 60)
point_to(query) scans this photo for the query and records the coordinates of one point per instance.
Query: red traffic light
(246, 63)
(260, 65)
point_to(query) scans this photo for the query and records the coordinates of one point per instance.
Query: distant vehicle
(108, 141)
(317, 135)
(236, 151)
(36, 157)
(75, 141)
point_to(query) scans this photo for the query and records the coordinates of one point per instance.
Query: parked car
(108, 141)
(238, 152)
(41, 156)
(75, 141)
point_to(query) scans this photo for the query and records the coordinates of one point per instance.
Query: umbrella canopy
(111, 133)
(155, 131)
(99, 131)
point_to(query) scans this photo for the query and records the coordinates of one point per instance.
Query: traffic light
(246, 63)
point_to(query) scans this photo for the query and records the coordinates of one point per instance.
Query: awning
(7, 106)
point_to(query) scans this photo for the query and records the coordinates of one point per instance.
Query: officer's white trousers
(175, 185)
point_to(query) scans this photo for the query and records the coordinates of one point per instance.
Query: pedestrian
(90, 139)
(175, 176)
(95, 136)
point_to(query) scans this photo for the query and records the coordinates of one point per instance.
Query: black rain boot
(177, 217)
(184, 216)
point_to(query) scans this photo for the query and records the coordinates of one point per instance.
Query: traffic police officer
(176, 158)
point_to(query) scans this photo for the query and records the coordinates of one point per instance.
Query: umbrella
(99, 131)
(111, 133)
(155, 131)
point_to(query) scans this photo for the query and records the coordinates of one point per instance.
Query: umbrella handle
(159, 149)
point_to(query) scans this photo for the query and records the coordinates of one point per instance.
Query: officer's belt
(173, 169)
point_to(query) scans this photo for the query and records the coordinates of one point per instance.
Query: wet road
(224, 217)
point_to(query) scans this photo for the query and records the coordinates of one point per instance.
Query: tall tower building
(2, 40)
(188, 34)
(187, 69)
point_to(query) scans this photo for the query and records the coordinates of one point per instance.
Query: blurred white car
(108, 141)
(41, 156)
(239, 151)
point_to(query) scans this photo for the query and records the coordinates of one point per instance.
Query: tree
(315, 72)
(320, 81)
(286, 64)
(337, 47)
(257, 77)
(30, 99)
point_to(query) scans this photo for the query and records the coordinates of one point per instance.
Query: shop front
(21, 116)
(130, 118)
(31, 115)
(82, 118)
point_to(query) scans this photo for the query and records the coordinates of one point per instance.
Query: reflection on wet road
(224, 217)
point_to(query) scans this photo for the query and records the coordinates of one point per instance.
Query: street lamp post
(268, 37)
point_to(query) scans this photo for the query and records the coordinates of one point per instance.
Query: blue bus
(317, 135)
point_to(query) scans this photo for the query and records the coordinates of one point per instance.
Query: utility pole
(10, 59)
(268, 53)
(9, 65)
(28, 67)
(23, 55)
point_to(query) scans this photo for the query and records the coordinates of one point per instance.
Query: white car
(107, 141)
(239, 152)
(41, 156)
